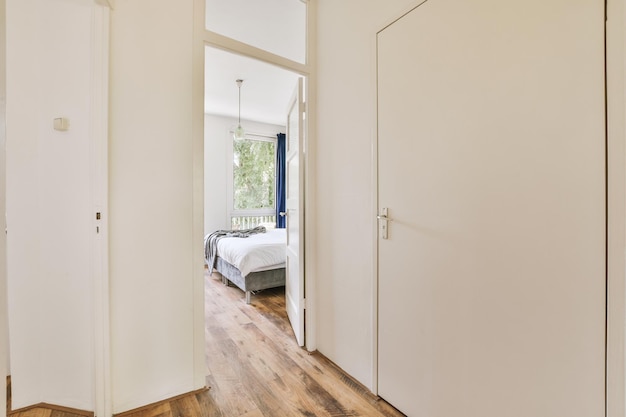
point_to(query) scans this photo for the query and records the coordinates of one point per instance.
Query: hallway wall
(346, 117)
(346, 103)
(151, 211)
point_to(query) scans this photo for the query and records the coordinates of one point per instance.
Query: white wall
(217, 134)
(48, 200)
(273, 25)
(346, 123)
(152, 260)
(346, 120)
(4, 341)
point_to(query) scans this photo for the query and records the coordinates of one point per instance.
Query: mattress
(259, 252)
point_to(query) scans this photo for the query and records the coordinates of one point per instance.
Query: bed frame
(254, 281)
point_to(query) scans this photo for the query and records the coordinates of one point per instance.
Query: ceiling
(277, 26)
(265, 92)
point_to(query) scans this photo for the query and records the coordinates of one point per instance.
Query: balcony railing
(248, 222)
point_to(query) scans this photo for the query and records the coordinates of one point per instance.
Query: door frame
(295, 305)
(615, 86)
(616, 207)
(202, 38)
(4, 325)
(103, 401)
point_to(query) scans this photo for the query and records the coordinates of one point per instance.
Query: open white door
(294, 283)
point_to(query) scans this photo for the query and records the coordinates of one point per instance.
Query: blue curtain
(281, 175)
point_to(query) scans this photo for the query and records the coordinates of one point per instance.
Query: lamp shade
(239, 133)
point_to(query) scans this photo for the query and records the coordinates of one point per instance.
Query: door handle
(384, 231)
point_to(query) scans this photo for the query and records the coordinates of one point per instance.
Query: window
(254, 183)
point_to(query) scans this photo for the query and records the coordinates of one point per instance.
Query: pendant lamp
(239, 132)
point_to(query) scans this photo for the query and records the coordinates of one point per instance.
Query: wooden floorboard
(39, 410)
(256, 369)
(44, 412)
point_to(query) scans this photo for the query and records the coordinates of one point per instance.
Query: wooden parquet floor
(256, 369)
(45, 412)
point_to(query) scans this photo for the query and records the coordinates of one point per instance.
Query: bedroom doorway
(256, 181)
(266, 37)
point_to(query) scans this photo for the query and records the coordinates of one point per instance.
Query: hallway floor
(256, 369)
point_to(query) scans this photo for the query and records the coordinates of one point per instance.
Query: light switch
(61, 124)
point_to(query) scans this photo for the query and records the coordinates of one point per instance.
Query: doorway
(254, 181)
(492, 269)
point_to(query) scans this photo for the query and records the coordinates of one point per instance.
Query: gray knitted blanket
(210, 242)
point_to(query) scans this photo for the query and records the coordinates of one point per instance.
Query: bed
(252, 263)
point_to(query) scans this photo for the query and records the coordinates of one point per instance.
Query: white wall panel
(346, 122)
(151, 212)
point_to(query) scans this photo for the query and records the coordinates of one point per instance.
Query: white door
(294, 285)
(56, 203)
(492, 167)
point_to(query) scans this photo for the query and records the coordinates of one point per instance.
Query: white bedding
(259, 252)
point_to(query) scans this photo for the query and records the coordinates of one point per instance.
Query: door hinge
(304, 303)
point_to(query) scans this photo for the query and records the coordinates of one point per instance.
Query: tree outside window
(254, 182)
